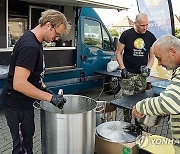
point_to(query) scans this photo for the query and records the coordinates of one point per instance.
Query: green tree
(113, 33)
(177, 33)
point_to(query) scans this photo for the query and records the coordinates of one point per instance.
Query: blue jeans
(22, 127)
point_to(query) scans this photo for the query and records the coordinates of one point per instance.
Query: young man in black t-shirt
(135, 58)
(24, 81)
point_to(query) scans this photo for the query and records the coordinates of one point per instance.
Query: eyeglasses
(57, 34)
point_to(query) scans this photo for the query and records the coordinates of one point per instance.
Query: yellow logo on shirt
(139, 43)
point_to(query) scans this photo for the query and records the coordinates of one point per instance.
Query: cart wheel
(111, 85)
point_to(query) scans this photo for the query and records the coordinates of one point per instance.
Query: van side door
(96, 45)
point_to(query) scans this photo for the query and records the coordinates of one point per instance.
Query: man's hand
(124, 73)
(145, 71)
(58, 101)
(137, 114)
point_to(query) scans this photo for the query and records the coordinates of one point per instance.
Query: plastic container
(159, 86)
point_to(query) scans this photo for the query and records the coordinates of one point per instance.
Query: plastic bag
(112, 66)
(4, 69)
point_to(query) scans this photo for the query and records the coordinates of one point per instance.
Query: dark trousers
(21, 125)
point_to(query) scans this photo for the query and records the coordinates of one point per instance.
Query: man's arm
(21, 84)
(167, 103)
(151, 58)
(119, 52)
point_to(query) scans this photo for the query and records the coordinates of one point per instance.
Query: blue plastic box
(159, 86)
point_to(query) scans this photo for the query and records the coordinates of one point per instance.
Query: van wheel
(111, 85)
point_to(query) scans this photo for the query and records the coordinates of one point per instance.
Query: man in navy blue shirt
(24, 82)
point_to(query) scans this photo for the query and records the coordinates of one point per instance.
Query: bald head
(141, 23)
(141, 16)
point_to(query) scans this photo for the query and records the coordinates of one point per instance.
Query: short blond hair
(56, 18)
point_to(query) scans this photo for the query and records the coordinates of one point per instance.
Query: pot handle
(36, 105)
(100, 104)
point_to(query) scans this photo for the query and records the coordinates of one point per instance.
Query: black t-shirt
(27, 53)
(136, 50)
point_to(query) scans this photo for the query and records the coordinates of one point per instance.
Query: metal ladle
(60, 92)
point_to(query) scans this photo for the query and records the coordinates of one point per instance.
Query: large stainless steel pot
(107, 114)
(72, 132)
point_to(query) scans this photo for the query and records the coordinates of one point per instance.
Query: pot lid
(117, 131)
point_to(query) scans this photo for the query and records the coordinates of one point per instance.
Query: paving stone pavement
(5, 137)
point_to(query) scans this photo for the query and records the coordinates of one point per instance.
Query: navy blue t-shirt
(136, 50)
(27, 53)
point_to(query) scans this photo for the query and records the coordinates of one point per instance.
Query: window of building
(16, 28)
(17, 20)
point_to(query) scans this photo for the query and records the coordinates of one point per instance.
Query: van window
(95, 35)
(106, 40)
(92, 33)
